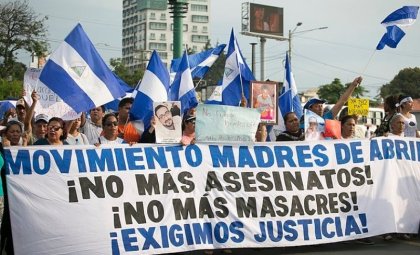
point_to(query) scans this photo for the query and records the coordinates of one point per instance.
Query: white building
(148, 26)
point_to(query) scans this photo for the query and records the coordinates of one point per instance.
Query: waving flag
(200, 63)
(404, 16)
(237, 75)
(288, 101)
(183, 87)
(77, 73)
(391, 38)
(154, 87)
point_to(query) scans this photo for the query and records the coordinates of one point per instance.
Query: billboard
(265, 19)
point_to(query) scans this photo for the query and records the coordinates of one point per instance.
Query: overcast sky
(342, 51)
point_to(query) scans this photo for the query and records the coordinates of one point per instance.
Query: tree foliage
(131, 78)
(332, 92)
(406, 82)
(20, 29)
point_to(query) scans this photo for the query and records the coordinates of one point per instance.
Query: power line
(339, 68)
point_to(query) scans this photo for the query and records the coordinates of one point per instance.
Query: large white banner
(153, 199)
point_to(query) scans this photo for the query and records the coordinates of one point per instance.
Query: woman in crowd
(110, 130)
(293, 131)
(56, 134)
(13, 134)
(348, 127)
(397, 125)
(74, 136)
(390, 108)
(406, 106)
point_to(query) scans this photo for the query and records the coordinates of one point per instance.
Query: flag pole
(367, 64)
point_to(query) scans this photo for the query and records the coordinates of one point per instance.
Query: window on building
(157, 46)
(205, 30)
(199, 8)
(199, 18)
(185, 26)
(163, 16)
(199, 38)
(152, 36)
(194, 29)
(163, 37)
(152, 15)
(157, 26)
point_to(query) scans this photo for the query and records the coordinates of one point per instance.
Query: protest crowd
(172, 119)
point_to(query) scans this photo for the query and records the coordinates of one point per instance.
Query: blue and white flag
(237, 75)
(200, 63)
(154, 87)
(77, 73)
(113, 105)
(288, 101)
(182, 88)
(404, 16)
(391, 38)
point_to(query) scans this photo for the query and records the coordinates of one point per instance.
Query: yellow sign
(358, 106)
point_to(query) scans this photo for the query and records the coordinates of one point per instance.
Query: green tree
(20, 29)
(131, 78)
(406, 82)
(331, 92)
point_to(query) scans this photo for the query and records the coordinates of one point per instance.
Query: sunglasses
(55, 129)
(190, 121)
(113, 123)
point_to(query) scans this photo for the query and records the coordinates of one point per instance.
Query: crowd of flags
(77, 73)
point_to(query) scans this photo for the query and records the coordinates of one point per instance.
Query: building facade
(148, 26)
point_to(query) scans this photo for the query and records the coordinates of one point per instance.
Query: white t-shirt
(103, 140)
(410, 126)
(92, 131)
(79, 139)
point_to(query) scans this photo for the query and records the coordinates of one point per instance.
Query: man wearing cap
(40, 128)
(21, 110)
(316, 105)
(188, 127)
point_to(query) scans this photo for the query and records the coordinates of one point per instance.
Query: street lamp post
(293, 32)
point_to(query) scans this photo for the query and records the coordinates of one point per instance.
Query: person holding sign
(168, 128)
(316, 105)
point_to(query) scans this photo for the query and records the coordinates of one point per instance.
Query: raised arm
(345, 96)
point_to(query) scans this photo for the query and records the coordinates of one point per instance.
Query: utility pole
(262, 44)
(178, 8)
(253, 58)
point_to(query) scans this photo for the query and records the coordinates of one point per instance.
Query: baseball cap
(41, 116)
(313, 101)
(20, 102)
